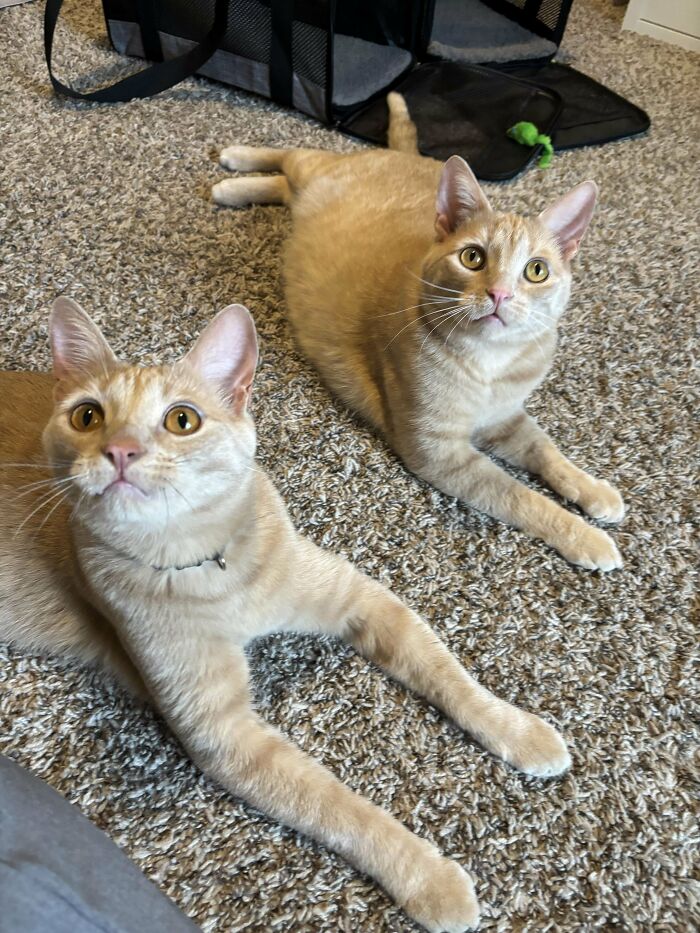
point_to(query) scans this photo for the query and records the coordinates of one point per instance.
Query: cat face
(146, 446)
(500, 277)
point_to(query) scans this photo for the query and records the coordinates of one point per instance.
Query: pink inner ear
(77, 344)
(226, 353)
(569, 217)
(459, 195)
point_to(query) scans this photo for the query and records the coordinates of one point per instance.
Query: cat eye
(87, 416)
(182, 419)
(536, 270)
(473, 257)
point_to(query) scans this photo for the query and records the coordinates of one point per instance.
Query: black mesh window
(549, 13)
(247, 33)
(309, 52)
(547, 18)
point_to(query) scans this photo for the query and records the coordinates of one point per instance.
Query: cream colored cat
(159, 535)
(435, 317)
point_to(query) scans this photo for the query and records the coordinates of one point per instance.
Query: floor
(110, 204)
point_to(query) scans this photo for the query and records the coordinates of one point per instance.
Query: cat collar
(218, 557)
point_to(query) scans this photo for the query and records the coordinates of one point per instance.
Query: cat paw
(596, 497)
(233, 192)
(535, 748)
(589, 547)
(445, 901)
(602, 501)
(240, 158)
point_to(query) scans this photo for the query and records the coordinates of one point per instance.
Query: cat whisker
(26, 488)
(45, 494)
(79, 501)
(467, 314)
(533, 315)
(420, 318)
(61, 484)
(428, 301)
(180, 494)
(52, 510)
(167, 507)
(442, 320)
(34, 465)
(540, 318)
(531, 331)
(443, 288)
(45, 500)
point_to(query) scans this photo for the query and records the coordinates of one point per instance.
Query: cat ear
(77, 343)
(226, 354)
(459, 195)
(569, 217)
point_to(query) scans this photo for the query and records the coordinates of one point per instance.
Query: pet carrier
(336, 59)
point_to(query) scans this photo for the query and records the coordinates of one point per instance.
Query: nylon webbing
(281, 70)
(151, 80)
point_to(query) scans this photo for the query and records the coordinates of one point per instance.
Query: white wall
(676, 21)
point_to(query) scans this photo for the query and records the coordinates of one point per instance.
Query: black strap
(151, 80)
(281, 71)
(150, 37)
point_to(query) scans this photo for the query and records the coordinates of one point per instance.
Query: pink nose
(121, 453)
(498, 296)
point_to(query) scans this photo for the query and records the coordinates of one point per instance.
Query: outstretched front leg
(457, 468)
(379, 626)
(522, 442)
(200, 684)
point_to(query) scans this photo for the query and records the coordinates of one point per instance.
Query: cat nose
(499, 296)
(121, 453)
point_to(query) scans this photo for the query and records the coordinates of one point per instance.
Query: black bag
(336, 59)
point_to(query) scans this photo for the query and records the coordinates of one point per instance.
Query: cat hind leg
(252, 159)
(240, 192)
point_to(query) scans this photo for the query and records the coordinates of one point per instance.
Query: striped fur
(87, 580)
(381, 303)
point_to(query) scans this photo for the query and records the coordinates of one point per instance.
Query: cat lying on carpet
(157, 550)
(435, 318)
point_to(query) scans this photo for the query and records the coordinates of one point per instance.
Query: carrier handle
(281, 69)
(152, 80)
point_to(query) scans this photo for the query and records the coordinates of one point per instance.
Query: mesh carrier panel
(336, 59)
(310, 52)
(371, 41)
(245, 51)
(249, 31)
(549, 13)
(547, 18)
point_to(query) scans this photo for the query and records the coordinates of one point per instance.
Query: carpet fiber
(111, 205)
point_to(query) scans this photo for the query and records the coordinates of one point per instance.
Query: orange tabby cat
(158, 551)
(435, 317)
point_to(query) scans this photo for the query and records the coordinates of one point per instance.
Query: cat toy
(527, 134)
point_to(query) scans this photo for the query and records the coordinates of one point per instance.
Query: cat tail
(402, 134)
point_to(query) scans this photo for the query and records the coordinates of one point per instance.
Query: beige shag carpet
(111, 205)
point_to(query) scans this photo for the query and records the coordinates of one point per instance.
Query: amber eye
(473, 257)
(182, 419)
(536, 270)
(87, 417)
